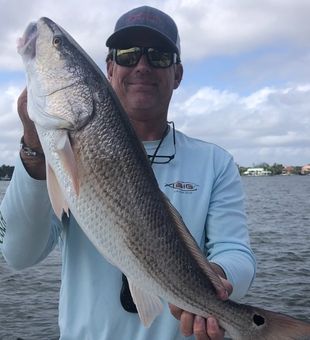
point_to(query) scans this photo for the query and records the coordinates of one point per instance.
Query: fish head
(59, 96)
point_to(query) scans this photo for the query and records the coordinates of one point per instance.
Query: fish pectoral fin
(67, 158)
(148, 306)
(57, 199)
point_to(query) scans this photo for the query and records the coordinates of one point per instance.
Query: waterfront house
(257, 172)
(305, 170)
(288, 170)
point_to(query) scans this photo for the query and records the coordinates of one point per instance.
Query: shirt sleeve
(228, 243)
(27, 218)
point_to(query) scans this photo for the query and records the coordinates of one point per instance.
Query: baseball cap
(145, 19)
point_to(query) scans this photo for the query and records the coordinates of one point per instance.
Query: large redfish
(97, 169)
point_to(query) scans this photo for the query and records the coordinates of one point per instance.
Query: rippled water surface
(29, 298)
(279, 222)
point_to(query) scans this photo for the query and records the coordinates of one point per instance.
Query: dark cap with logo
(145, 19)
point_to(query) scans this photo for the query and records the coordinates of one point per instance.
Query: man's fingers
(214, 330)
(175, 311)
(228, 286)
(187, 323)
(31, 138)
(207, 329)
(22, 110)
(22, 103)
(192, 324)
(200, 328)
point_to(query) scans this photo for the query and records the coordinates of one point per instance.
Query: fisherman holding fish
(200, 180)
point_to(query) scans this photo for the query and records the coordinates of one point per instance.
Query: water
(29, 298)
(279, 223)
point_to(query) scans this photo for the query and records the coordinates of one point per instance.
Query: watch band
(28, 151)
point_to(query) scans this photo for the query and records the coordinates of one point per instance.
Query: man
(200, 179)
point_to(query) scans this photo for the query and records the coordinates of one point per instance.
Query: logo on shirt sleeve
(185, 187)
(2, 228)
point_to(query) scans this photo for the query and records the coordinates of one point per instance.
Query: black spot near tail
(258, 320)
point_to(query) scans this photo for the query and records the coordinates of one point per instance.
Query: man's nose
(143, 63)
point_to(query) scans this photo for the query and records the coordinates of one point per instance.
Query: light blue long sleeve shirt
(202, 182)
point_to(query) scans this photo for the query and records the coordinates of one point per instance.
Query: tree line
(275, 169)
(6, 171)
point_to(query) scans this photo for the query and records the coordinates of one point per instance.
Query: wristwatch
(28, 151)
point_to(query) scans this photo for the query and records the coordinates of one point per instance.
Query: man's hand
(31, 138)
(35, 166)
(203, 329)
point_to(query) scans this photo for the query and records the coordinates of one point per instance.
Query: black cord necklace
(152, 157)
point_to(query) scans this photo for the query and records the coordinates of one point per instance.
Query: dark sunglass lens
(126, 298)
(128, 57)
(159, 58)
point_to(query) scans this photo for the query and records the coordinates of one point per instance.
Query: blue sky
(246, 82)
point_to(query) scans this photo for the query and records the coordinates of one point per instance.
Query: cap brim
(129, 36)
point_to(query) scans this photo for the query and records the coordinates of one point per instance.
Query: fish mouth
(26, 45)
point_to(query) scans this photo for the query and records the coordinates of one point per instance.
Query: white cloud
(251, 127)
(270, 123)
(206, 27)
(11, 129)
(221, 27)
(216, 100)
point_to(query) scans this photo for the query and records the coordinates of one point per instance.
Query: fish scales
(97, 169)
(121, 175)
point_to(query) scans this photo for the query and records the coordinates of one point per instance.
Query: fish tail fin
(274, 326)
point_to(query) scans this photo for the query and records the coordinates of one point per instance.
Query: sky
(246, 83)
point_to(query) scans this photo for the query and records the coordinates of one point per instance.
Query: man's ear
(178, 75)
(109, 69)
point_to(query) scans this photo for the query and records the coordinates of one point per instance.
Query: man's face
(143, 90)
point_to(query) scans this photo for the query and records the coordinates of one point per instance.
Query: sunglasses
(130, 57)
(163, 159)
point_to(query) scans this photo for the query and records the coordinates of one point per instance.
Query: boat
(5, 178)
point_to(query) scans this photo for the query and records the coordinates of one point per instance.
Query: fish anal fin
(67, 158)
(148, 306)
(57, 199)
(191, 243)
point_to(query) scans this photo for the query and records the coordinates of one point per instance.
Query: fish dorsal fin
(57, 199)
(148, 306)
(195, 250)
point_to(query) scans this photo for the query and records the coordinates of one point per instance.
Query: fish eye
(57, 41)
